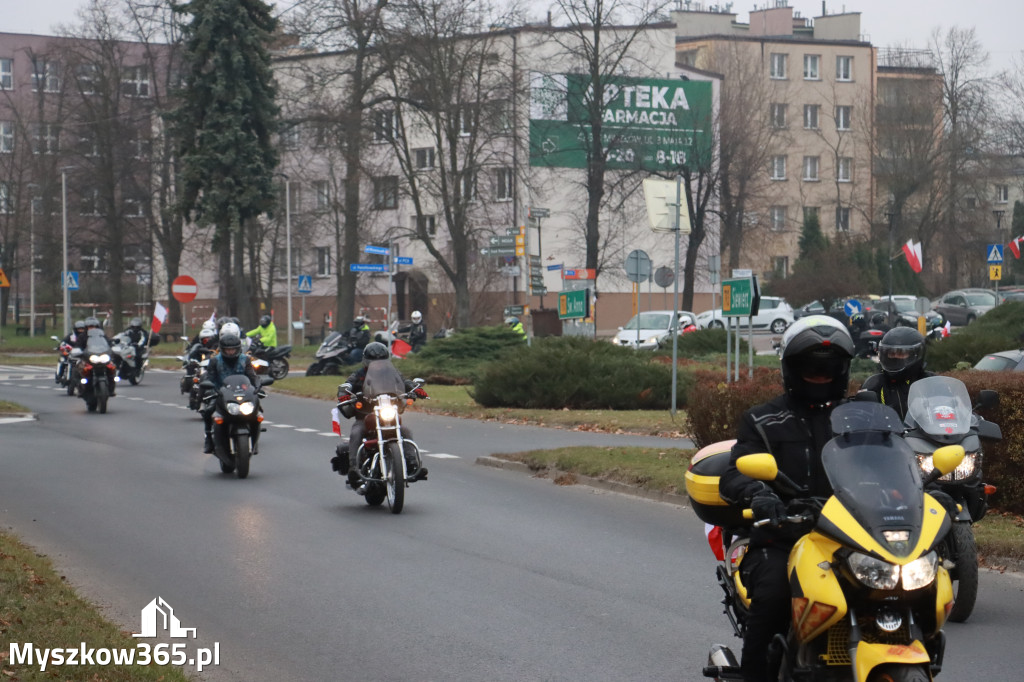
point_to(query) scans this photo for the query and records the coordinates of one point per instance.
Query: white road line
(155, 402)
(441, 455)
(14, 420)
(281, 426)
(307, 430)
(329, 434)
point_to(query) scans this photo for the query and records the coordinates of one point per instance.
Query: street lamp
(32, 260)
(998, 213)
(64, 228)
(288, 247)
(892, 222)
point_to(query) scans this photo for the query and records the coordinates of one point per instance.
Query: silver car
(964, 306)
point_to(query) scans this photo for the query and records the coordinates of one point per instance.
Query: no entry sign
(184, 289)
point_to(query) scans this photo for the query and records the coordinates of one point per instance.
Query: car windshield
(984, 298)
(995, 363)
(904, 305)
(649, 321)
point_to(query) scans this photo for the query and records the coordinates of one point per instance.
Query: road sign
(742, 272)
(516, 310)
(4, 282)
(851, 307)
(995, 254)
(71, 281)
(555, 267)
(367, 267)
(499, 251)
(573, 304)
(509, 270)
(536, 282)
(520, 240)
(403, 260)
(664, 277)
(520, 250)
(579, 273)
(638, 266)
(539, 212)
(740, 297)
(305, 284)
(995, 272)
(376, 250)
(503, 241)
(183, 288)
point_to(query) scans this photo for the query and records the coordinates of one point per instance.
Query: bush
(577, 373)
(714, 407)
(704, 342)
(457, 359)
(999, 329)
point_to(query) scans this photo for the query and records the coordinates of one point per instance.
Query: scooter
(333, 354)
(869, 592)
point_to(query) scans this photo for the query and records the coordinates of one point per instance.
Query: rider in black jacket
(229, 361)
(794, 427)
(901, 355)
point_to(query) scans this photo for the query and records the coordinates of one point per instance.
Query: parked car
(1007, 360)
(963, 306)
(773, 313)
(902, 312)
(652, 329)
(813, 308)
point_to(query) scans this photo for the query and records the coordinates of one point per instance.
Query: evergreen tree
(811, 237)
(223, 130)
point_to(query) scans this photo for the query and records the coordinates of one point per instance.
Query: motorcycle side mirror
(266, 381)
(154, 339)
(76, 352)
(418, 381)
(206, 385)
(55, 338)
(945, 460)
(987, 399)
(760, 467)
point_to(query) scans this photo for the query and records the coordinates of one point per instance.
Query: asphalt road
(486, 575)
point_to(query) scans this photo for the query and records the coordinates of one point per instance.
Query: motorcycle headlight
(972, 460)
(920, 572)
(388, 412)
(233, 408)
(99, 359)
(874, 573)
(246, 408)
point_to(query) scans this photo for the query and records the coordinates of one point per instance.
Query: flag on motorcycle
(336, 421)
(714, 535)
(913, 253)
(159, 315)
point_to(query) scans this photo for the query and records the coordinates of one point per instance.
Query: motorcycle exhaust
(722, 664)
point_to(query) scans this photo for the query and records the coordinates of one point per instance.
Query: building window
(844, 68)
(322, 192)
(506, 182)
(6, 203)
(500, 115)
(778, 116)
(135, 207)
(94, 258)
(843, 116)
(135, 81)
(777, 216)
(811, 116)
(323, 261)
(777, 65)
(687, 58)
(812, 212)
(321, 134)
(88, 143)
(46, 138)
(385, 192)
(423, 157)
(468, 181)
(843, 218)
(425, 224)
(290, 136)
(469, 119)
(844, 169)
(45, 75)
(90, 202)
(1002, 194)
(6, 74)
(780, 266)
(812, 62)
(385, 123)
(6, 137)
(778, 168)
(295, 198)
(85, 74)
(142, 147)
(811, 168)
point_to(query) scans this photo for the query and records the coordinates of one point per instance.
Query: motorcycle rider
(228, 362)
(417, 331)
(208, 324)
(137, 336)
(90, 323)
(374, 352)
(515, 325)
(358, 336)
(266, 331)
(901, 354)
(77, 332)
(794, 427)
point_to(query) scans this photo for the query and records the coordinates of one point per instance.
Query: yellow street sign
(995, 272)
(520, 250)
(4, 282)
(520, 239)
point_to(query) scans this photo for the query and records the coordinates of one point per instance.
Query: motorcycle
(335, 352)
(194, 363)
(275, 357)
(939, 413)
(388, 461)
(237, 421)
(869, 592)
(98, 375)
(131, 360)
(63, 377)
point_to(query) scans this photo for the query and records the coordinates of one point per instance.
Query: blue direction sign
(367, 267)
(555, 267)
(376, 250)
(852, 307)
(305, 284)
(995, 253)
(72, 280)
(404, 260)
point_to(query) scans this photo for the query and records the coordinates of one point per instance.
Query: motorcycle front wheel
(242, 455)
(278, 368)
(394, 478)
(899, 673)
(70, 387)
(961, 547)
(136, 377)
(316, 369)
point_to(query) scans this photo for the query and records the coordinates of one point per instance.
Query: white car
(651, 329)
(773, 313)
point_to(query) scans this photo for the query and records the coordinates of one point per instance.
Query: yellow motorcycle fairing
(869, 656)
(817, 598)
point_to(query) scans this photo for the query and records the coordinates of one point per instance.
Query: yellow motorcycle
(869, 592)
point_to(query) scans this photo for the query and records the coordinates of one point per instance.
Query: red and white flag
(714, 536)
(912, 251)
(336, 421)
(159, 315)
(1015, 246)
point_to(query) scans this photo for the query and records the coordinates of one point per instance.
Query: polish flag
(336, 421)
(913, 254)
(1015, 246)
(714, 535)
(159, 315)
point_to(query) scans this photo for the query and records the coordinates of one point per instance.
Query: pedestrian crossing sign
(4, 282)
(995, 253)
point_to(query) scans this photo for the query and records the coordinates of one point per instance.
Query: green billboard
(652, 124)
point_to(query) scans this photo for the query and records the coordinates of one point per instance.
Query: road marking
(440, 455)
(307, 430)
(329, 434)
(282, 426)
(14, 420)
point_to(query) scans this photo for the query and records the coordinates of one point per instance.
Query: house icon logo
(158, 617)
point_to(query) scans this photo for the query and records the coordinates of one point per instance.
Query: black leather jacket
(892, 392)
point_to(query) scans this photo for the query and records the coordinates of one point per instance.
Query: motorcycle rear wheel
(964, 550)
(135, 377)
(70, 388)
(394, 479)
(242, 455)
(316, 369)
(899, 673)
(278, 368)
(226, 468)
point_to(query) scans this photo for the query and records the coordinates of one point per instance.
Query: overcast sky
(906, 23)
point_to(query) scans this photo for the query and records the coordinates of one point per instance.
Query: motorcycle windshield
(96, 343)
(333, 339)
(941, 407)
(237, 384)
(381, 378)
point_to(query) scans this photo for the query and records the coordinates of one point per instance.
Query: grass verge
(38, 607)
(7, 407)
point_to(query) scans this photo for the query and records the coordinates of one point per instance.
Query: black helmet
(901, 353)
(265, 320)
(91, 322)
(816, 354)
(359, 321)
(136, 323)
(375, 351)
(230, 345)
(79, 325)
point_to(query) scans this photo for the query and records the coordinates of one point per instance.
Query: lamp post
(64, 249)
(32, 261)
(998, 213)
(288, 248)
(892, 222)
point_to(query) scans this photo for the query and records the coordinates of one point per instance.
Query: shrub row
(1002, 328)
(459, 358)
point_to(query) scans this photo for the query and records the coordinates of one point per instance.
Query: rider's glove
(420, 393)
(766, 505)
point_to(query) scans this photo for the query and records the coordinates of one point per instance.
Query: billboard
(651, 124)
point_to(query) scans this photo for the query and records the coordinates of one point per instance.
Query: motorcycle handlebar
(796, 518)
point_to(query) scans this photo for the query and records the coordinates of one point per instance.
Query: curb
(15, 417)
(599, 483)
